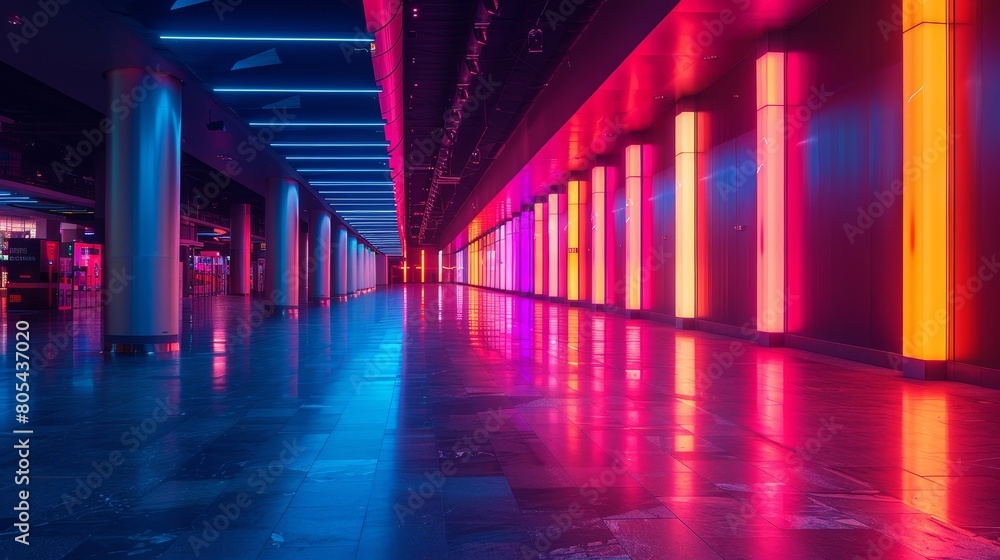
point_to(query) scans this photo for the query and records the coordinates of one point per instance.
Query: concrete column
(368, 268)
(319, 270)
(339, 258)
(352, 264)
(281, 233)
(239, 249)
(371, 268)
(304, 263)
(361, 267)
(142, 206)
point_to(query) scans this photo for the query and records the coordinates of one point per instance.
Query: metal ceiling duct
(468, 71)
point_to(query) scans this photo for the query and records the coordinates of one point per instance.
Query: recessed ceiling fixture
(536, 41)
(215, 125)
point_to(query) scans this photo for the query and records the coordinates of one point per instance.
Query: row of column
(332, 262)
(548, 238)
(141, 289)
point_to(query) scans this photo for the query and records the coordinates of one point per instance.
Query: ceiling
(664, 64)
(88, 37)
(439, 37)
(299, 74)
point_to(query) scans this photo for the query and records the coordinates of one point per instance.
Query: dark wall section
(728, 215)
(844, 154)
(664, 217)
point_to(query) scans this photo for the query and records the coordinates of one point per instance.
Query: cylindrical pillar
(281, 233)
(338, 252)
(319, 269)
(359, 265)
(239, 249)
(352, 264)
(142, 204)
(368, 268)
(305, 265)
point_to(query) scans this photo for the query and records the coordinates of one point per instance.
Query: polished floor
(447, 422)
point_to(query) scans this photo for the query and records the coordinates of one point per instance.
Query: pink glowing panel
(634, 155)
(598, 233)
(771, 192)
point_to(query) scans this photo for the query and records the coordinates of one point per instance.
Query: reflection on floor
(447, 422)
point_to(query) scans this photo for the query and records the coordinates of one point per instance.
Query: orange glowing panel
(598, 177)
(423, 266)
(404, 271)
(926, 208)
(440, 266)
(554, 245)
(686, 214)
(539, 248)
(573, 242)
(633, 226)
(771, 192)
